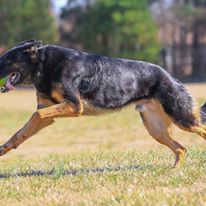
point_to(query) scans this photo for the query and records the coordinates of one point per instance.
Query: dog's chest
(91, 110)
(57, 93)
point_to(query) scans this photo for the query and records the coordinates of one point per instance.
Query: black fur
(203, 113)
(105, 82)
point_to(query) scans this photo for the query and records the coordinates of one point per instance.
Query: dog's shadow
(73, 172)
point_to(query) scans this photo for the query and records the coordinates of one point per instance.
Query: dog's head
(17, 63)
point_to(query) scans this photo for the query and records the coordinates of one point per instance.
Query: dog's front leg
(40, 119)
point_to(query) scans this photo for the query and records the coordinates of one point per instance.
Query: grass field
(108, 160)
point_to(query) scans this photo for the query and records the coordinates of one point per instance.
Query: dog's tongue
(9, 85)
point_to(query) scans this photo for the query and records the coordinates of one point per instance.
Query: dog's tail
(180, 105)
(203, 113)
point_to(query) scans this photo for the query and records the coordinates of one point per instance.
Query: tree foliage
(183, 27)
(25, 19)
(119, 27)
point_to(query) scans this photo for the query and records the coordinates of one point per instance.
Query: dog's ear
(26, 41)
(31, 47)
(28, 45)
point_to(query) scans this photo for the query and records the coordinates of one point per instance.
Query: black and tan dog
(71, 83)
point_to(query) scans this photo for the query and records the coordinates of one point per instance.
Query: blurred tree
(119, 27)
(182, 28)
(191, 15)
(25, 19)
(199, 39)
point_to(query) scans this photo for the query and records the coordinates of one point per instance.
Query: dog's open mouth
(11, 81)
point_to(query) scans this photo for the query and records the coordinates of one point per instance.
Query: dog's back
(111, 83)
(71, 83)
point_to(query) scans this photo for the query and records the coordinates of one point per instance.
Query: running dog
(70, 83)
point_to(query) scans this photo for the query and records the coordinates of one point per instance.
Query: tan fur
(200, 130)
(90, 110)
(40, 119)
(33, 52)
(194, 115)
(197, 128)
(157, 122)
(43, 101)
(159, 126)
(57, 93)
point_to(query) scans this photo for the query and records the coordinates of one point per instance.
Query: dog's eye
(6, 60)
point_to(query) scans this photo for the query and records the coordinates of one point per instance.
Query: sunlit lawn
(108, 160)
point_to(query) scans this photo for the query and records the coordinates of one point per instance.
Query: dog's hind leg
(40, 119)
(181, 107)
(159, 126)
(199, 129)
(192, 122)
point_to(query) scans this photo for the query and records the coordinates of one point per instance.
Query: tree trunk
(198, 56)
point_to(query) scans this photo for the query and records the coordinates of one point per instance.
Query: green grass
(109, 160)
(104, 178)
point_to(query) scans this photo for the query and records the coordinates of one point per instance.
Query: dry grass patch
(108, 160)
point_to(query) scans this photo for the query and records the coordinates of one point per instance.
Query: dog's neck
(28, 81)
